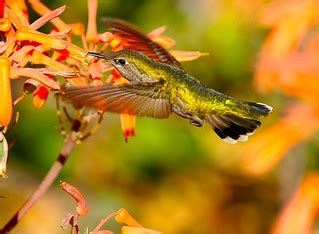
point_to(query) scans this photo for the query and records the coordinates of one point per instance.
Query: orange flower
(265, 150)
(5, 90)
(290, 21)
(57, 55)
(288, 63)
(23, 45)
(301, 212)
(82, 207)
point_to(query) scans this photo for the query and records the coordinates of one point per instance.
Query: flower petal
(40, 96)
(82, 207)
(35, 74)
(157, 32)
(40, 58)
(165, 41)
(181, 55)
(91, 29)
(77, 53)
(46, 18)
(20, 10)
(44, 39)
(19, 55)
(42, 9)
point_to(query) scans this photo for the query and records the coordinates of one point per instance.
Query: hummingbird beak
(102, 56)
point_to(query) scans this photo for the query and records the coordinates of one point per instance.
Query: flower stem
(44, 185)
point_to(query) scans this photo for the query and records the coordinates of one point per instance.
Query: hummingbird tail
(258, 109)
(232, 128)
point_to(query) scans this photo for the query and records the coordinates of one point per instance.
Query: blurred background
(173, 177)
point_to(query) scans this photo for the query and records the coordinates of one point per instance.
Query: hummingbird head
(132, 65)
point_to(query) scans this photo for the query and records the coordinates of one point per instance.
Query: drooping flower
(82, 207)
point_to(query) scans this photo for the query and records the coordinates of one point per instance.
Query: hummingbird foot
(196, 123)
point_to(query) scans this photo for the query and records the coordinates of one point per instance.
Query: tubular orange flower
(41, 9)
(287, 63)
(290, 22)
(40, 58)
(187, 55)
(47, 17)
(301, 212)
(263, 153)
(165, 41)
(91, 33)
(76, 53)
(41, 38)
(5, 91)
(20, 11)
(82, 207)
(36, 75)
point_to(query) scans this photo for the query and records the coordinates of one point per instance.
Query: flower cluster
(23, 46)
(288, 64)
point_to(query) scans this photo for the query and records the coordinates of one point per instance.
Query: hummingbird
(157, 90)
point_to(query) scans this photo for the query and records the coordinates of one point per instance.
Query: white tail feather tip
(266, 106)
(243, 138)
(230, 140)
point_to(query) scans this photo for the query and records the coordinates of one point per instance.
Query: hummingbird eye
(120, 61)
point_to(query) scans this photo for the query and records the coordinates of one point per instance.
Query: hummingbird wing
(135, 40)
(141, 99)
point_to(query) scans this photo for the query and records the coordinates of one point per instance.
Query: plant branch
(44, 185)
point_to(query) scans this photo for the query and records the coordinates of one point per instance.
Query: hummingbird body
(157, 89)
